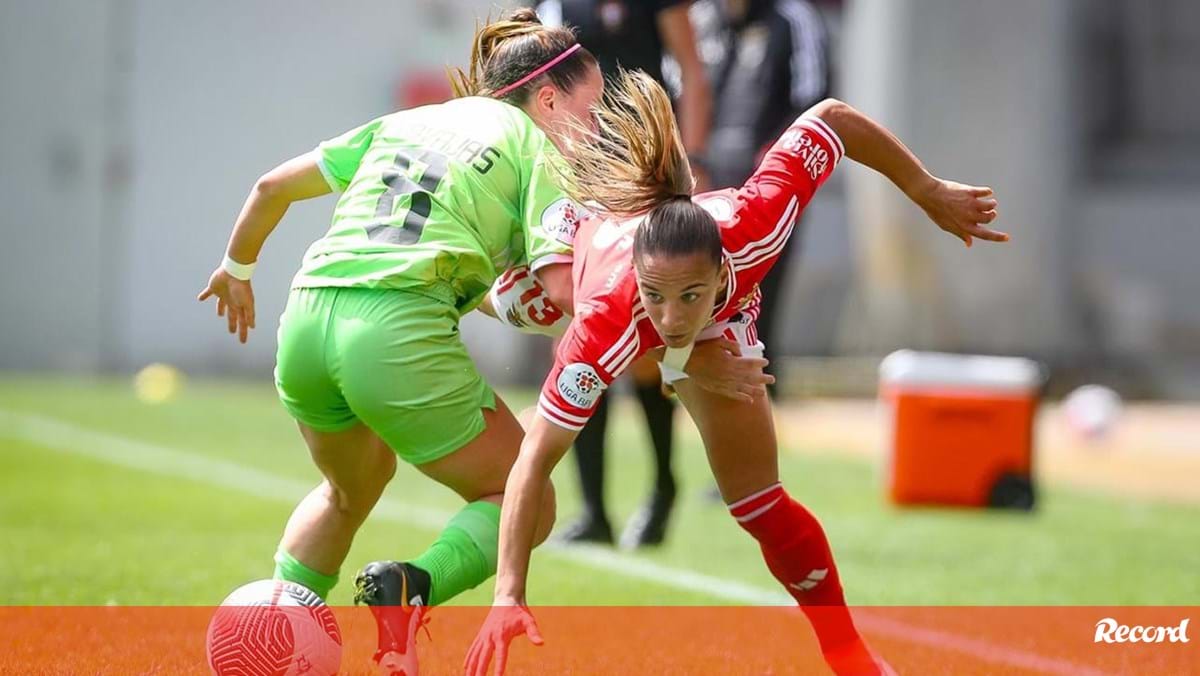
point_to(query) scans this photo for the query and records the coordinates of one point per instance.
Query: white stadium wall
(132, 131)
(144, 124)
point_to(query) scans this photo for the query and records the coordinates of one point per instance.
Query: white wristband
(242, 271)
(673, 361)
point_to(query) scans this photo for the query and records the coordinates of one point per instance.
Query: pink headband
(538, 71)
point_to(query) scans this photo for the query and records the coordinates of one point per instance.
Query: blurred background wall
(132, 131)
(1085, 118)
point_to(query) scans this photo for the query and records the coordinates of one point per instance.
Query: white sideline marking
(65, 437)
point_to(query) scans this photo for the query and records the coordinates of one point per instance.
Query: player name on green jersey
(440, 199)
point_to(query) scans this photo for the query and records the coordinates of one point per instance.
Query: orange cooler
(960, 428)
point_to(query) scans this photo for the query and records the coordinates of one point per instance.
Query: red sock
(798, 555)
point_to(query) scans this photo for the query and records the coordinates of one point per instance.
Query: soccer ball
(1092, 411)
(272, 627)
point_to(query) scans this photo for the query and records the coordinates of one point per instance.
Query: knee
(350, 503)
(383, 467)
(355, 496)
(376, 473)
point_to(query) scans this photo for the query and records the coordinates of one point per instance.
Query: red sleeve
(789, 175)
(595, 350)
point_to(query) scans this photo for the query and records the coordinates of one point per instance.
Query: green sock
(464, 555)
(287, 568)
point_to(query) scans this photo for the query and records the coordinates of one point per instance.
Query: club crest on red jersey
(746, 300)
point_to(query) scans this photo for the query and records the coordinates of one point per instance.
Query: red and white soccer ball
(276, 628)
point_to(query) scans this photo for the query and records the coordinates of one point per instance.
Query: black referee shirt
(618, 32)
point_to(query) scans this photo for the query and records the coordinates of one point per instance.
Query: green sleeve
(340, 156)
(550, 218)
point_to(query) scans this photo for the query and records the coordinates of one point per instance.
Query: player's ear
(546, 98)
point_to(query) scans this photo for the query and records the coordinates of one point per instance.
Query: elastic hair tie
(538, 71)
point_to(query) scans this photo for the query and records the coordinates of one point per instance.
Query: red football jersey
(611, 329)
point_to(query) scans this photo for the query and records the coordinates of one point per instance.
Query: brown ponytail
(636, 160)
(507, 50)
(636, 164)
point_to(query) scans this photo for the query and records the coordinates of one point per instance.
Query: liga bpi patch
(561, 220)
(580, 385)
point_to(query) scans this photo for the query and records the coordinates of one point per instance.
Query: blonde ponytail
(636, 160)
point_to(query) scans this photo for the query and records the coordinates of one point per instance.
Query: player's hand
(719, 367)
(235, 301)
(961, 210)
(503, 624)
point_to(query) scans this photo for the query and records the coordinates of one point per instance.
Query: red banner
(651, 640)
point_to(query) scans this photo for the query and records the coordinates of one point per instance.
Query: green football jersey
(453, 193)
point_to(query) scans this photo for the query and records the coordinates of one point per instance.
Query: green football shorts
(391, 359)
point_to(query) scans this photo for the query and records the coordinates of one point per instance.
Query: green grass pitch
(79, 528)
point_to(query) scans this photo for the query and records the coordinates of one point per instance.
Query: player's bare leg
(357, 465)
(742, 451)
(399, 592)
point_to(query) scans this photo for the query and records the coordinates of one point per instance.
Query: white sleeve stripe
(828, 130)
(770, 237)
(769, 240)
(619, 346)
(554, 408)
(560, 423)
(751, 261)
(836, 144)
(778, 234)
(808, 55)
(549, 415)
(810, 123)
(630, 347)
(326, 174)
(618, 350)
(620, 366)
(558, 413)
(619, 361)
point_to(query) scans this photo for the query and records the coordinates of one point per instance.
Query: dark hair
(507, 50)
(678, 227)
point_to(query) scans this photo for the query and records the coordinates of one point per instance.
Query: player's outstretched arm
(961, 210)
(297, 179)
(544, 445)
